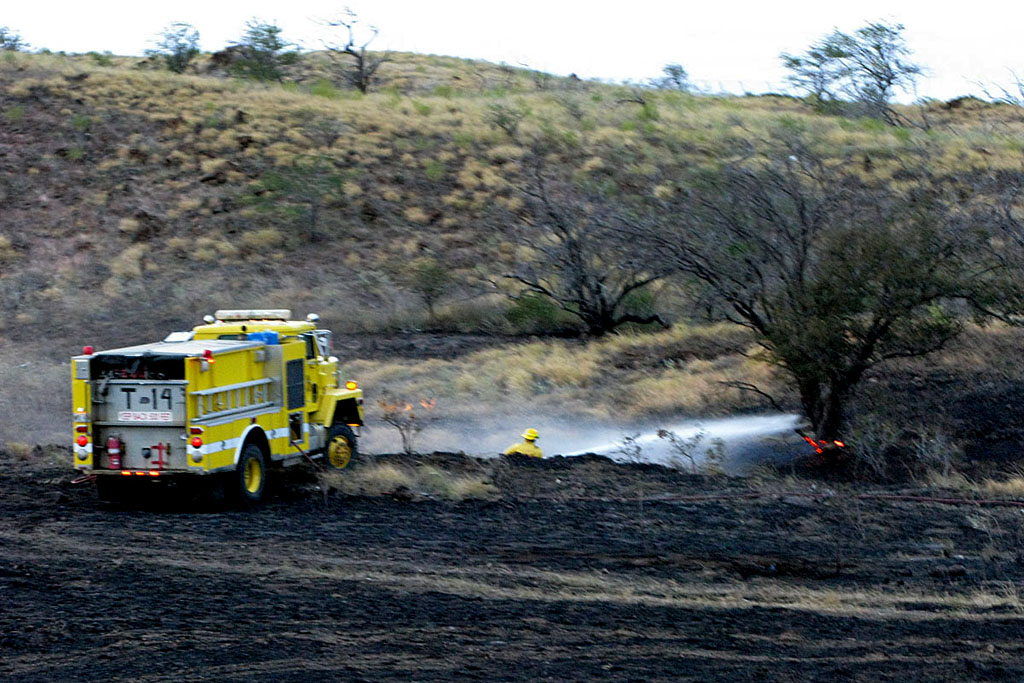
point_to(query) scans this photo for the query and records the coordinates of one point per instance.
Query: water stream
(745, 440)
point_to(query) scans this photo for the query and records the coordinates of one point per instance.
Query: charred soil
(578, 569)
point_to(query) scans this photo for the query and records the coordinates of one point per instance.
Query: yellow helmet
(531, 434)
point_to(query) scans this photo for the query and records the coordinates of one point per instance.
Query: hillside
(143, 190)
(135, 200)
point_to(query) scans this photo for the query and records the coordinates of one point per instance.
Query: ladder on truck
(233, 399)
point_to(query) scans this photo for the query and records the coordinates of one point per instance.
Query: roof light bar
(253, 314)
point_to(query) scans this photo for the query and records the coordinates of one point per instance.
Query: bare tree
(1007, 95)
(877, 61)
(868, 66)
(357, 66)
(817, 72)
(674, 77)
(582, 262)
(833, 275)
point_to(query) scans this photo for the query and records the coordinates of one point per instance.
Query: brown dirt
(577, 572)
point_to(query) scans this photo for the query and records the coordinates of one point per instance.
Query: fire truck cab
(245, 392)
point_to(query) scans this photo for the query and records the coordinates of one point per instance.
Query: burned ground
(578, 569)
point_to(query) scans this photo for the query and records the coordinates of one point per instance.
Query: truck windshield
(147, 366)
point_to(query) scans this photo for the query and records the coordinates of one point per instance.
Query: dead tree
(356, 65)
(581, 262)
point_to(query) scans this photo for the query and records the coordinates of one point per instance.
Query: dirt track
(556, 580)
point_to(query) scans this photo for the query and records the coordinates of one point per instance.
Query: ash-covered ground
(574, 569)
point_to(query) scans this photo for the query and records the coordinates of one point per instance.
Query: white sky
(723, 45)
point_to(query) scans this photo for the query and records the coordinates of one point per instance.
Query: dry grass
(562, 373)
(20, 450)
(375, 479)
(524, 583)
(1012, 487)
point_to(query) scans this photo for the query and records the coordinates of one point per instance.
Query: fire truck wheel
(251, 475)
(341, 446)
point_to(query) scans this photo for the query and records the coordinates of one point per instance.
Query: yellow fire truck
(246, 391)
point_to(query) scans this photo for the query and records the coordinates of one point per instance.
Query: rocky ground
(576, 569)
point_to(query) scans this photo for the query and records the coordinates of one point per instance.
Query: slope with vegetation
(135, 199)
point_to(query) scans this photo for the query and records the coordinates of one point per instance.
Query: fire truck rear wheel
(341, 446)
(251, 476)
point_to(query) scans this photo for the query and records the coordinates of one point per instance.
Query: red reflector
(197, 442)
(81, 428)
(82, 440)
(195, 430)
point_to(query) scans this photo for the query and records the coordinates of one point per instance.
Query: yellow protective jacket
(526, 448)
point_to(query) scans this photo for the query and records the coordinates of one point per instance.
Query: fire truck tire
(111, 489)
(250, 477)
(341, 447)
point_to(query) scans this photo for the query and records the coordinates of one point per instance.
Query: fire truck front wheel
(250, 476)
(341, 446)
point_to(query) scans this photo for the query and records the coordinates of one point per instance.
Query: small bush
(262, 239)
(7, 252)
(407, 420)
(694, 454)
(536, 314)
(104, 59)
(21, 451)
(15, 114)
(434, 170)
(884, 452)
(324, 88)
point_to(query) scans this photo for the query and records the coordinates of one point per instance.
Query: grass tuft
(377, 479)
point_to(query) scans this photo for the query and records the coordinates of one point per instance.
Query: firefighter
(528, 446)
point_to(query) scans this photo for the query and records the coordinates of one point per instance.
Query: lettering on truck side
(134, 416)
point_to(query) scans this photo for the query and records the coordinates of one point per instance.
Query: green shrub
(15, 114)
(104, 59)
(434, 170)
(536, 314)
(324, 88)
